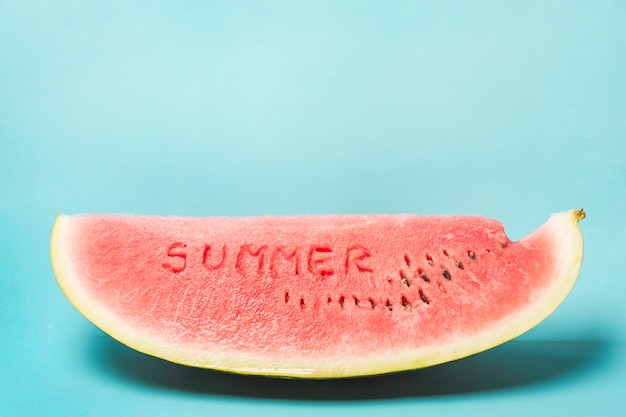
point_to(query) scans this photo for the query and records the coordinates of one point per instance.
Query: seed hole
(372, 303)
(407, 260)
(388, 305)
(471, 254)
(342, 301)
(488, 250)
(423, 297)
(458, 264)
(402, 274)
(446, 274)
(356, 300)
(329, 299)
(286, 297)
(405, 302)
(302, 303)
(429, 259)
(445, 252)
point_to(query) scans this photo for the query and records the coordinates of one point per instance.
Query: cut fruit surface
(313, 296)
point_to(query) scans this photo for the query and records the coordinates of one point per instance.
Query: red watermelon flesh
(313, 296)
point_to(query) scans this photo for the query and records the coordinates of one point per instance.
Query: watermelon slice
(313, 296)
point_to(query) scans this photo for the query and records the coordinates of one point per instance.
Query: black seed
(372, 303)
(302, 303)
(388, 305)
(458, 264)
(406, 282)
(471, 254)
(423, 297)
(405, 302)
(446, 274)
(425, 277)
(429, 259)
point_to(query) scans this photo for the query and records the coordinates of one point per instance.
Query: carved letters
(249, 259)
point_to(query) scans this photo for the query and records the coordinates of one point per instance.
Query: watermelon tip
(579, 214)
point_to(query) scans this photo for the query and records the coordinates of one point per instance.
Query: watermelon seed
(405, 302)
(286, 297)
(389, 305)
(356, 300)
(446, 274)
(422, 274)
(302, 303)
(342, 301)
(471, 254)
(423, 297)
(372, 302)
(404, 278)
(429, 259)
(458, 264)
(407, 260)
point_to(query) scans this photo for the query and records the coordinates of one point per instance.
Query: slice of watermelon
(313, 296)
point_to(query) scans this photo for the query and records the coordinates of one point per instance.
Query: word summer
(276, 260)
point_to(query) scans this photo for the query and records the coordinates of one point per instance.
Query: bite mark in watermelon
(313, 296)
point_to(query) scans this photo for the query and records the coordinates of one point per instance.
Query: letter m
(247, 256)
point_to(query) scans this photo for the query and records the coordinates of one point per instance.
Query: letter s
(175, 250)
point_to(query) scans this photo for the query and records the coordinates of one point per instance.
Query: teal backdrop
(510, 109)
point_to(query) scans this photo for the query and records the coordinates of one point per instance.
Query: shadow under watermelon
(513, 365)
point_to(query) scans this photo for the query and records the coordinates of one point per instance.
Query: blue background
(511, 109)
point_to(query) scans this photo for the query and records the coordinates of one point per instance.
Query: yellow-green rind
(561, 228)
